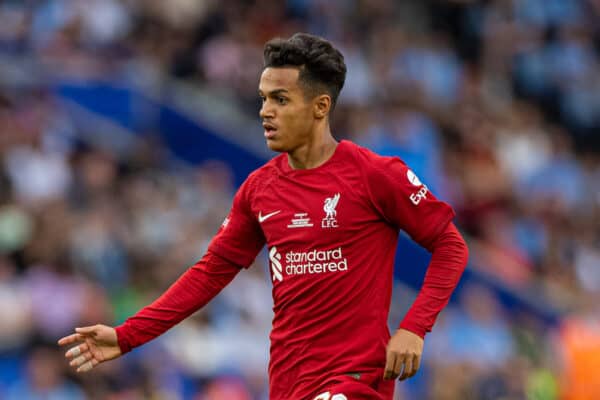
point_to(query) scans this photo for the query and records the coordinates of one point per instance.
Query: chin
(276, 145)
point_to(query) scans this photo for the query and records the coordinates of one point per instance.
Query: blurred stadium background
(126, 125)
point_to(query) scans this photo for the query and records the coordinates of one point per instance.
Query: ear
(322, 105)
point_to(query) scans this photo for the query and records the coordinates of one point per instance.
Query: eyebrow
(274, 92)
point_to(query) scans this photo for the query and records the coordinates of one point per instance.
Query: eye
(263, 98)
(281, 100)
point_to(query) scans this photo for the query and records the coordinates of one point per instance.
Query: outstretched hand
(403, 355)
(95, 344)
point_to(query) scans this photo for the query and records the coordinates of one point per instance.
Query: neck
(313, 153)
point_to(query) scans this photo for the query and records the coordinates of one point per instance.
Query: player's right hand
(95, 344)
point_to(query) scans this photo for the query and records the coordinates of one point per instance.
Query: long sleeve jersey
(331, 233)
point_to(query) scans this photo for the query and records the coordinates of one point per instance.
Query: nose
(265, 110)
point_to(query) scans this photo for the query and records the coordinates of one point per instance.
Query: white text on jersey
(307, 262)
(300, 220)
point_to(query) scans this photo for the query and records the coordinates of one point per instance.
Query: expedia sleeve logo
(412, 178)
(421, 194)
(307, 262)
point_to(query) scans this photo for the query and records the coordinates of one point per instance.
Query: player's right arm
(235, 246)
(196, 287)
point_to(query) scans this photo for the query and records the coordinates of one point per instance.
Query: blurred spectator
(45, 378)
(479, 336)
(579, 344)
(15, 308)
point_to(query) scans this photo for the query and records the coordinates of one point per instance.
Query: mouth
(270, 130)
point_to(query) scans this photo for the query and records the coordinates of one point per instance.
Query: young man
(330, 213)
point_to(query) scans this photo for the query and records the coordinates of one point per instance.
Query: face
(288, 117)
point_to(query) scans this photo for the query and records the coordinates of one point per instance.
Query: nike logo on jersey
(263, 218)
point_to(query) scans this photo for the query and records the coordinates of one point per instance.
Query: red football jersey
(331, 233)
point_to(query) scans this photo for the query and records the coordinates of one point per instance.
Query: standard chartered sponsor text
(315, 261)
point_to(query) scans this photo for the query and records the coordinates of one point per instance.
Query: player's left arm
(405, 202)
(448, 261)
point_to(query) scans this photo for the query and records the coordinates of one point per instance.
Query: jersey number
(327, 396)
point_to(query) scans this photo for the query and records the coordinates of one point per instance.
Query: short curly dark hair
(322, 67)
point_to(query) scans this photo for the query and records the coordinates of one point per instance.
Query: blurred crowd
(495, 104)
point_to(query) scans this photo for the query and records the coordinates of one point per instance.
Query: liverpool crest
(329, 207)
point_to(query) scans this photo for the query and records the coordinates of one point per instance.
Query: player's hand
(95, 344)
(403, 355)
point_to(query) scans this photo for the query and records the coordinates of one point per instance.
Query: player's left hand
(403, 355)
